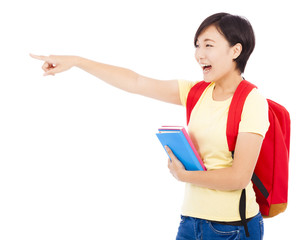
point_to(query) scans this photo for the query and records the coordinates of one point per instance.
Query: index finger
(170, 152)
(39, 57)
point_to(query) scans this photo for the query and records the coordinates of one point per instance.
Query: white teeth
(206, 67)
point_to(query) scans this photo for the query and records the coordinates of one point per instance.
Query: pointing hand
(55, 64)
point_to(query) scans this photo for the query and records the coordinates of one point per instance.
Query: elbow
(241, 181)
(136, 86)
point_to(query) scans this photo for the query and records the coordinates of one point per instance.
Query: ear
(237, 49)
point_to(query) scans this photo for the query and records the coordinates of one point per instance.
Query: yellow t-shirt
(207, 129)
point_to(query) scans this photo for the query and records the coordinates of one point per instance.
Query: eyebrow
(208, 39)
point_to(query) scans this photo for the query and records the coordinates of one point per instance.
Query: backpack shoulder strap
(235, 111)
(232, 129)
(194, 95)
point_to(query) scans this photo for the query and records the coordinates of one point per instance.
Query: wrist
(77, 61)
(183, 175)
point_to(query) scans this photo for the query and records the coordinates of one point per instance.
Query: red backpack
(270, 178)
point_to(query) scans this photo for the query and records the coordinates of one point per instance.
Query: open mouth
(206, 68)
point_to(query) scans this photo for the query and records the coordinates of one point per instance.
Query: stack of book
(178, 140)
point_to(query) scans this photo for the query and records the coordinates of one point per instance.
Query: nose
(199, 55)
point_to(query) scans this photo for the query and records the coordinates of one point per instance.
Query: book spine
(192, 159)
(193, 148)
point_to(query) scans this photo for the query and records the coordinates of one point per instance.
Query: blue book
(177, 139)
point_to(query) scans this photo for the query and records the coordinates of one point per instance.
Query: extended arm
(233, 178)
(119, 77)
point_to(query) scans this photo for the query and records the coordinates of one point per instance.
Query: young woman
(210, 210)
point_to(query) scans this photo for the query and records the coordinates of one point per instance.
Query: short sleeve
(255, 114)
(184, 89)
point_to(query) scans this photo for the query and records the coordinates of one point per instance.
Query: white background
(79, 159)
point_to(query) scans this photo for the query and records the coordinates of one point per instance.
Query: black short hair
(235, 29)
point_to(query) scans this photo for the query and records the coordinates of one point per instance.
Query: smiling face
(216, 56)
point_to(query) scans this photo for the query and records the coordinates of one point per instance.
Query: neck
(225, 88)
(230, 83)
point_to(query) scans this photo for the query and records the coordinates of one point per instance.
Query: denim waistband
(234, 223)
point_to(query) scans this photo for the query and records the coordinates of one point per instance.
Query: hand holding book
(178, 140)
(174, 165)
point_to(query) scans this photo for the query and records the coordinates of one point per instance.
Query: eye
(209, 45)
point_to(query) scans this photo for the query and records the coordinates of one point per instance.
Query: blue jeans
(200, 229)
